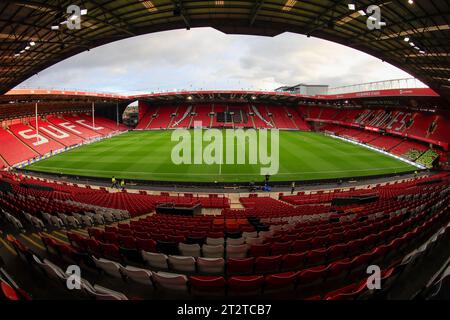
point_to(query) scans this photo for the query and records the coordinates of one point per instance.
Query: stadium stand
(37, 142)
(301, 255)
(202, 114)
(87, 127)
(183, 117)
(416, 125)
(73, 128)
(217, 109)
(163, 117)
(146, 118)
(51, 131)
(14, 150)
(108, 125)
(280, 117)
(19, 142)
(297, 117)
(208, 234)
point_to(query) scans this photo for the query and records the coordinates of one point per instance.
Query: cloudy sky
(208, 59)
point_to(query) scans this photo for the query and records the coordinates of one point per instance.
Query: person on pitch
(114, 182)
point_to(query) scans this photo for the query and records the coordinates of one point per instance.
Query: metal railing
(405, 83)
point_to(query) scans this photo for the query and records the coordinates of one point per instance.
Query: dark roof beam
(254, 14)
(111, 12)
(180, 10)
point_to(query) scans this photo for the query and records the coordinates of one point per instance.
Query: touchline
(208, 146)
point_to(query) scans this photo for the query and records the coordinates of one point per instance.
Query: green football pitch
(146, 155)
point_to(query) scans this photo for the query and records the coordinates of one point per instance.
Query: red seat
(240, 265)
(270, 264)
(66, 250)
(356, 246)
(110, 251)
(49, 243)
(316, 257)
(95, 233)
(319, 242)
(351, 234)
(336, 252)
(258, 250)
(111, 229)
(76, 240)
(165, 231)
(8, 292)
(359, 265)
(280, 248)
(183, 233)
(293, 261)
(310, 280)
(379, 253)
(148, 245)
(111, 237)
(338, 271)
(215, 234)
(128, 242)
(198, 234)
(350, 292)
(207, 285)
(93, 247)
(301, 245)
(141, 235)
(316, 297)
(245, 285)
(280, 282)
(125, 232)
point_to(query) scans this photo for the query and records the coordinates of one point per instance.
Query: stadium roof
(415, 37)
(43, 95)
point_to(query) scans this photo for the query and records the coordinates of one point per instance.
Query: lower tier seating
(339, 272)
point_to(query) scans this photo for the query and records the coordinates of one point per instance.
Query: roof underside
(425, 23)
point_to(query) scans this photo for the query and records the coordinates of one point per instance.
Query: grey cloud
(209, 59)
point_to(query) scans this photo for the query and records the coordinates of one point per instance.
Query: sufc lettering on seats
(56, 133)
(83, 123)
(69, 126)
(40, 140)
